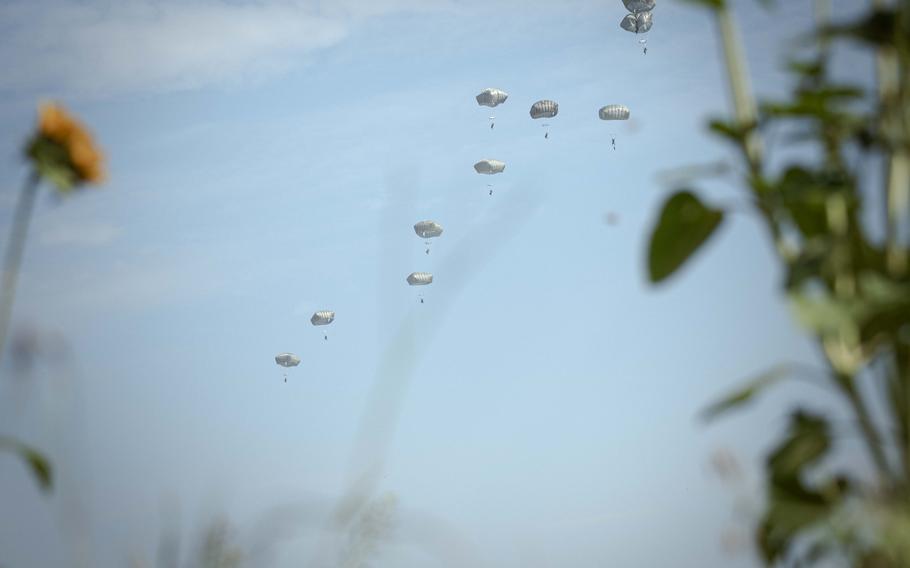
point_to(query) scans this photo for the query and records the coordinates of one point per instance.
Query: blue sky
(268, 159)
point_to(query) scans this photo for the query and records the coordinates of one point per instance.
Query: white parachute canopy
(544, 109)
(428, 229)
(323, 317)
(491, 97)
(420, 278)
(637, 23)
(636, 6)
(287, 359)
(614, 112)
(489, 167)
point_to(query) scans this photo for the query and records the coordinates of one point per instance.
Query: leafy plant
(848, 290)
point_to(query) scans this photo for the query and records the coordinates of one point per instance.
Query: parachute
(614, 112)
(489, 167)
(636, 6)
(420, 278)
(491, 98)
(637, 23)
(544, 109)
(323, 317)
(428, 230)
(287, 360)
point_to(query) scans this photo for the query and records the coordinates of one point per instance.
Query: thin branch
(15, 247)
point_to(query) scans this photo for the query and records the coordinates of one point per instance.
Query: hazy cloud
(106, 47)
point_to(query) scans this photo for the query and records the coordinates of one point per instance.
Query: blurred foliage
(849, 287)
(219, 549)
(38, 465)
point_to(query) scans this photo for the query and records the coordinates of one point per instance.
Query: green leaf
(807, 441)
(826, 316)
(794, 509)
(808, 265)
(732, 131)
(745, 393)
(38, 465)
(881, 307)
(804, 200)
(811, 69)
(886, 307)
(878, 28)
(784, 520)
(684, 225)
(712, 4)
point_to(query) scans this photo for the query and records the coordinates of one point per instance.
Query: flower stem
(740, 90)
(15, 248)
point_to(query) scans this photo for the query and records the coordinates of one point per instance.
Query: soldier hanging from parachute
(428, 230)
(544, 109)
(323, 317)
(489, 167)
(491, 98)
(287, 360)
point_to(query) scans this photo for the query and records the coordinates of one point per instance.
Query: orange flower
(80, 156)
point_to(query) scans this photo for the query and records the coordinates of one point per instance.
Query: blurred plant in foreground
(850, 291)
(62, 152)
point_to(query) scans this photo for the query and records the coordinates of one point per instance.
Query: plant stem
(740, 90)
(897, 166)
(899, 399)
(871, 435)
(15, 247)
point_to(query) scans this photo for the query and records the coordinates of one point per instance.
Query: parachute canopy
(287, 359)
(323, 317)
(491, 97)
(489, 167)
(639, 5)
(544, 109)
(420, 278)
(637, 23)
(428, 229)
(614, 112)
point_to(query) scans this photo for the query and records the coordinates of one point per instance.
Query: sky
(269, 159)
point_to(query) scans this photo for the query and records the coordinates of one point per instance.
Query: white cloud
(109, 47)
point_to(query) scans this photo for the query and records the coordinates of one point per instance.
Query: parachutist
(421, 300)
(287, 360)
(428, 251)
(492, 125)
(491, 192)
(613, 140)
(547, 135)
(646, 51)
(326, 337)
